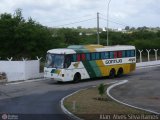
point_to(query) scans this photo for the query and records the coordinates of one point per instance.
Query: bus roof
(116, 48)
(90, 48)
(61, 51)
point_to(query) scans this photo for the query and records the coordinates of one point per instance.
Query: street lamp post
(108, 21)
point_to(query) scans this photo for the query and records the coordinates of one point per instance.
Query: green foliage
(142, 39)
(70, 36)
(23, 38)
(27, 38)
(101, 89)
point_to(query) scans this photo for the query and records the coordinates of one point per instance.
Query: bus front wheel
(112, 73)
(77, 77)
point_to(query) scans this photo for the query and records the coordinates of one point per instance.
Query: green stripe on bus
(91, 66)
(87, 65)
(89, 69)
(95, 68)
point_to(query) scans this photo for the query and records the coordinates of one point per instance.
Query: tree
(101, 89)
(7, 25)
(23, 38)
(132, 28)
(127, 28)
(70, 36)
(79, 27)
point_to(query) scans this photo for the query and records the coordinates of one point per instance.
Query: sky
(73, 13)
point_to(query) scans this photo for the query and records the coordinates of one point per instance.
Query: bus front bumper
(53, 76)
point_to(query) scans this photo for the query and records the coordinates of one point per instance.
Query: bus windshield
(54, 60)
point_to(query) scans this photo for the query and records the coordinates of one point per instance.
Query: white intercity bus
(79, 62)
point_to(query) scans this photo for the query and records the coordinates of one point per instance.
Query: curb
(120, 83)
(25, 81)
(71, 115)
(149, 66)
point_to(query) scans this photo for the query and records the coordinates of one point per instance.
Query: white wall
(150, 63)
(20, 70)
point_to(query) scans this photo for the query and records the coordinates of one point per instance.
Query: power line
(111, 18)
(70, 18)
(75, 22)
(114, 22)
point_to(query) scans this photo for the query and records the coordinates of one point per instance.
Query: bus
(77, 62)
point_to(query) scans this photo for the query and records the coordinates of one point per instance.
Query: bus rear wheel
(112, 73)
(120, 72)
(77, 78)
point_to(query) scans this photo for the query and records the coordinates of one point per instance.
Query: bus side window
(132, 53)
(67, 61)
(115, 54)
(103, 55)
(78, 57)
(128, 53)
(74, 58)
(107, 55)
(111, 55)
(97, 56)
(88, 57)
(83, 57)
(123, 54)
(93, 56)
(119, 54)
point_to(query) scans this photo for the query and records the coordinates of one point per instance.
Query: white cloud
(131, 12)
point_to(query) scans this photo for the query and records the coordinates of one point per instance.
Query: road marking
(106, 83)
(120, 83)
(65, 110)
(69, 113)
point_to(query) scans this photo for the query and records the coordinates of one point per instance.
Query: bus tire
(112, 73)
(77, 78)
(120, 72)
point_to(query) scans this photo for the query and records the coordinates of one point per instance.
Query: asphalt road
(41, 100)
(142, 90)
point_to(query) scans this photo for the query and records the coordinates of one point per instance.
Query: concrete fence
(21, 70)
(148, 54)
(149, 63)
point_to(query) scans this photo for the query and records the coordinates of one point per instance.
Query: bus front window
(54, 60)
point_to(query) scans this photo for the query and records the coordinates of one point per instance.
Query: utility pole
(98, 28)
(108, 21)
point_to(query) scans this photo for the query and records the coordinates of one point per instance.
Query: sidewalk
(147, 64)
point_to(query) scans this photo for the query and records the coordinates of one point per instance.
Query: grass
(88, 107)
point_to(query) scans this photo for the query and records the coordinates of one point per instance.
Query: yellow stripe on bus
(127, 68)
(102, 67)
